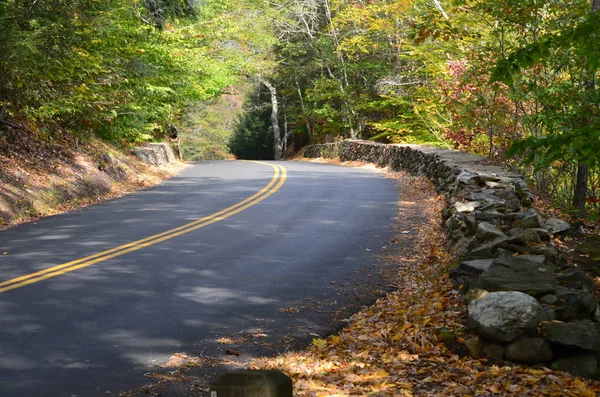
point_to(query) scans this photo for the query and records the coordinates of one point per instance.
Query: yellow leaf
(382, 373)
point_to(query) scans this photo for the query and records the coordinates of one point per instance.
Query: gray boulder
(156, 154)
(487, 200)
(554, 226)
(529, 351)
(585, 365)
(576, 335)
(524, 273)
(529, 219)
(487, 232)
(476, 266)
(504, 316)
(467, 178)
(572, 277)
(575, 304)
(488, 216)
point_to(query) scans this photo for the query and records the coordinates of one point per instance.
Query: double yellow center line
(279, 177)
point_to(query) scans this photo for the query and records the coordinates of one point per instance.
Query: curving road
(93, 299)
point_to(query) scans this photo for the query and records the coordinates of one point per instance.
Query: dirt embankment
(41, 177)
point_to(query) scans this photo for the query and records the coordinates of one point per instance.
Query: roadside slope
(41, 177)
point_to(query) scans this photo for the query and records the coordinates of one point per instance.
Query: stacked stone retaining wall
(156, 154)
(525, 302)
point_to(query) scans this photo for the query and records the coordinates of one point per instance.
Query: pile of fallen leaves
(401, 345)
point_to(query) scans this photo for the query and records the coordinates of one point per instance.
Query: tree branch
(9, 124)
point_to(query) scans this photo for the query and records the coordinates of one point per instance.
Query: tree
(569, 120)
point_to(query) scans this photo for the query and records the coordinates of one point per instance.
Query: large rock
(525, 236)
(488, 216)
(529, 219)
(505, 316)
(572, 277)
(486, 232)
(573, 336)
(575, 304)
(156, 154)
(487, 200)
(524, 273)
(555, 226)
(585, 365)
(529, 351)
(476, 266)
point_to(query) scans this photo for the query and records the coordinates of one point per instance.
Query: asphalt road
(93, 299)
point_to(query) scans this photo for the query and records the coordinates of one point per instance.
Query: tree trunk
(274, 119)
(308, 129)
(580, 196)
(286, 130)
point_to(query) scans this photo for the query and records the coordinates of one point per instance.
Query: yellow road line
(279, 178)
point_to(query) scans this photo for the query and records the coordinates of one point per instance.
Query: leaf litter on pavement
(406, 343)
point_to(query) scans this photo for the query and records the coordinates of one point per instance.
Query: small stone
(524, 236)
(484, 178)
(461, 246)
(456, 234)
(473, 345)
(467, 178)
(471, 224)
(487, 199)
(529, 351)
(514, 204)
(461, 207)
(549, 299)
(555, 226)
(584, 365)
(493, 351)
(504, 316)
(548, 313)
(542, 234)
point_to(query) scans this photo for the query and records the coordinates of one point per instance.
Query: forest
(512, 80)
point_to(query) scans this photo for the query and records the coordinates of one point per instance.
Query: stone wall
(156, 154)
(525, 302)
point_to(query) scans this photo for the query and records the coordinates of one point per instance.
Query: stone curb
(505, 257)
